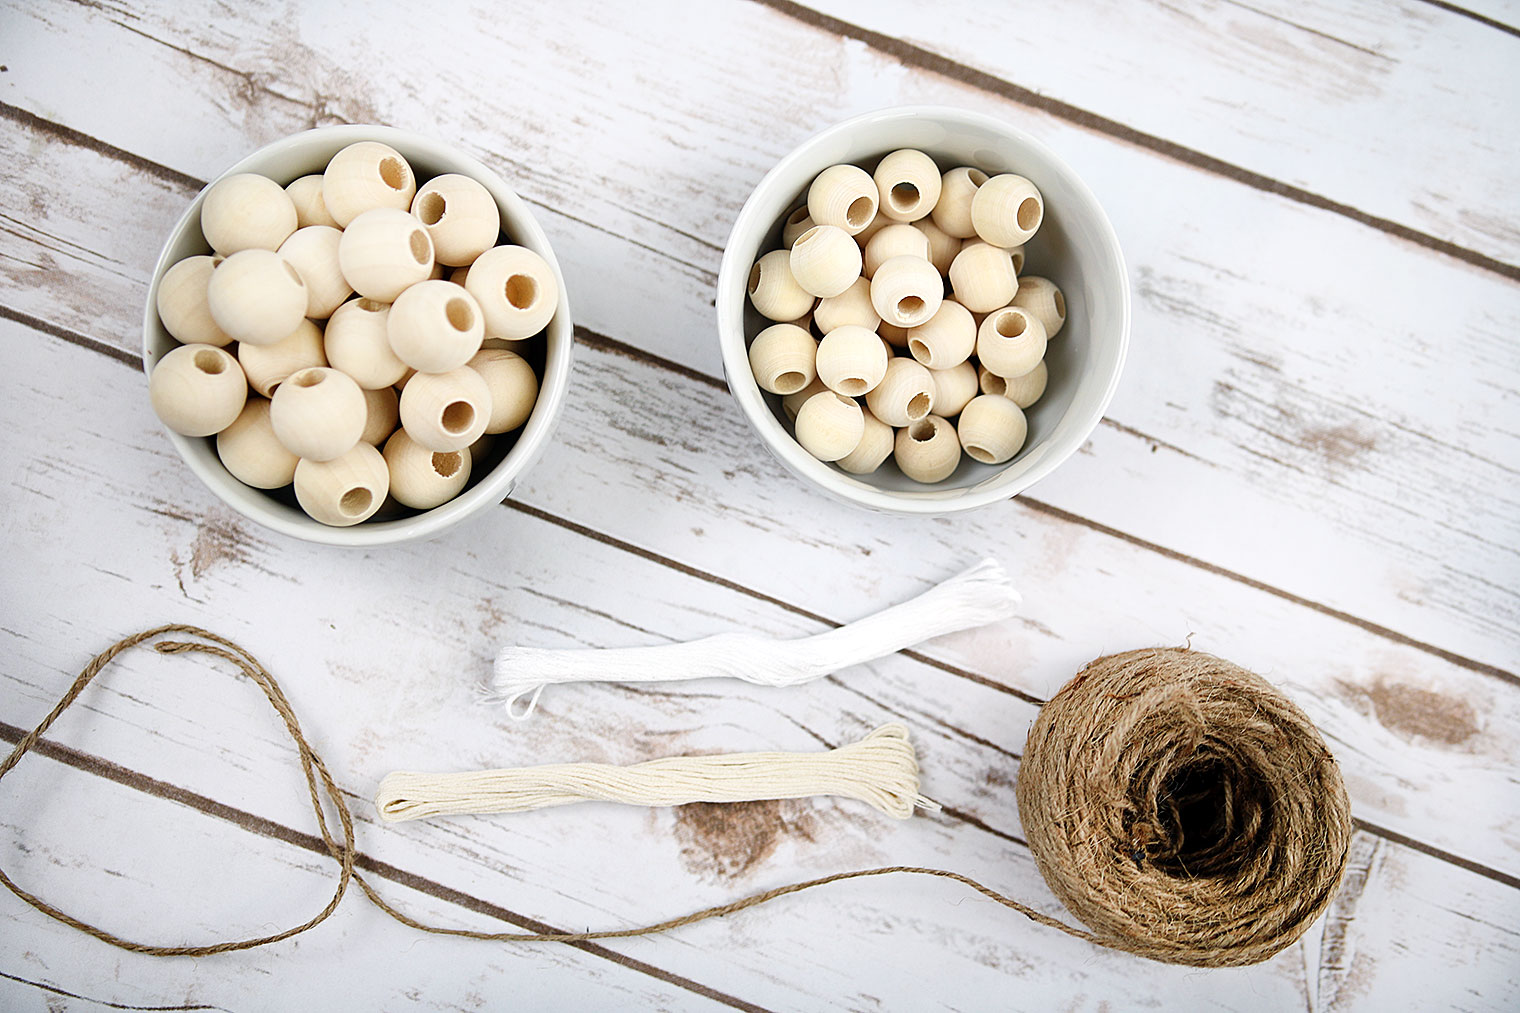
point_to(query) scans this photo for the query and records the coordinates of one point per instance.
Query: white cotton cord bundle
(880, 770)
(980, 595)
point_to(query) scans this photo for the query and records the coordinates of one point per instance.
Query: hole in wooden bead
(355, 501)
(918, 349)
(1029, 213)
(372, 305)
(853, 385)
(393, 172)
(796, 217)
(806, 239)
(843, 400)
(977, 177)
(522, 291)
(208, 361)
(789, 382)
(1060, 305)
(1010, 325)
(860, 212)
(446, 464)
(458, 416)
(981, 453)
(1018, 261)
(910, 306)
(461, 317)
(996, 385)
(294, 274)
(754, 279)
(918, 407)
(921, 432)
(431, 209)
(420, 246)
(307, 378)
(904, 196)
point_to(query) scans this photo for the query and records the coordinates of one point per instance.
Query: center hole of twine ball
(420, 246)
(431, 208)
(208, 361)
(904, 196)
(461, 317)
(458, 416)
(308, 378)
(1029, 214)
(355, 501)
(860, 212)
(393, 173)
(1010, 325)
(1211, 814)
(521, 291)
(446, 465)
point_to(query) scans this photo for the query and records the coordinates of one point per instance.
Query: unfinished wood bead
(795, 225)
(250, 450)
(905, 393)
(843, 196)
(1017, 256)
(435, 326)
(942, 245)
(865, 235)
(927, 450)
(516, 291)
(513, 386)
(894, 336)
(945, 339)
(256, 296)
(246, 211)
(952, 212)
(459, 275)
(345, 490)
(829, 425)
(1007, 210)
(382, 414)
(446, 411)
(992, 429)
(825, 261)
(875, 446)
(851, 360)
(421, 478)
(364, 176)
(318, 413)
(906, 291)
(896, 240)
(982, 277)
(306, 194)
(357, 342)
(773, 290)
(850, 307)
(268, 366)
(182, 303)
(384, 252)
(1041, 297)
(1027, 389)
(953, 388)
(460, 215)
(197, 390)
(1010, 342)
(783, 358)
(313, 252)
(908, 185)
(792, 402)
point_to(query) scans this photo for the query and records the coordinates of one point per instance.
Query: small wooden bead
(852, 307)
(1027, 389)
(990, 382)
(1007, 210)
(773, 290)
(517, 292)
(927, 450)
(829, 425)
(992, 429)
(384, 252)
(345, 490)
(306, 194)
(460, 215)
(197, 390)
(252, 453)
(843, 196)
(479, 449)
(953, 388)
(783, 359)
(942, 245)
(905, 394)
(459, 275)
(952, 212)
(446, 411)
(893, 335)
(1041, 297)
(908, 185)
(851, 360)
(1011, 341)
(982, 277)
(318, 413)
(268, 366)
(313, 252)
(182, 303)
(897, 240)
(945, 339)
(256, 296)
(435, 326)
(423, 478)
(792, 402)
(247, 212)
(906, 291)
(382, 414)
(364, 176)
(868, 233)
(357, 341)
(875, 446)
(400, 384)
(513, 386)
(795, 225)
(825, 261)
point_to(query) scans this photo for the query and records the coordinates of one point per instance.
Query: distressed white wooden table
(1311, 468)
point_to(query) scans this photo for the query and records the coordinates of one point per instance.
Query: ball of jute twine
(1183, 808)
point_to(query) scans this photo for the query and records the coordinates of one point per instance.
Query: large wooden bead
(851, 360)
(942, 245)
(875, 446)
(1027, 389)
(182, 303)
(313, 252)
(897, 240)
(446, 411)
(850, 307)
(268, 366)
(783, 359)
(952, 212)
(516, 291)
(982, 277)
(197, 390)
(345, 490)
(795, 225)
(896, 337)
(829, 425)
(306, 194)
(256, 296)
(905, 393)
(423, 478)
(382, 414)
(513, 386)
(908, 185)
(1041, 297)
(825, 261)
(1007, 210)
(460, 215)
(906, 291)
(247, 212)
(364, 176)
(953, 388)
(865, 235)
(992, 429)
(773, 290)
(435, 326)
(927, 450)
(1010, 342)
(357, 340)
(384, 252)
(318, 413)
(253, 454)
(792, 403)
(945, 339)
(843, 196)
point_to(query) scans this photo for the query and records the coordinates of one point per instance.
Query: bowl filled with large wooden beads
(922, 310)
(358, 335)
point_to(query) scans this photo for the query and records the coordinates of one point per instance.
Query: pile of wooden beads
(323, 346)
(906, 259)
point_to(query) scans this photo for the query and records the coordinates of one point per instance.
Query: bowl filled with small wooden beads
(358, 335)
(922, 310)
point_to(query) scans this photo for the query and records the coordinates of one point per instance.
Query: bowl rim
(741, 381)
(498, 484)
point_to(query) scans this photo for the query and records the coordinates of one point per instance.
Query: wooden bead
(357, 341)
(318, 413)
(345, 490)
(895, 336)
(773, 290)
(908, 185)
(268, 366)
(197, 390)
(868, 233)
(829, 425)
(945, 339)
(982, 277)
(953, 388)
(182, 303)
(246, 212)
(927, 450)
(896, 240)
(825, 261)
(783, 359)
(516, 291)
(384, 252)
(906, 291)
(256, 296)
(905, 393)
(446, 411)
(459, 275)
(952, 212)
(1027, 389)
(843, 196)
(795, 225)
(1007, 210)
(313, 252)
(1041, 297)
(990, 382)
(421, 478)
(791, 403)
(400, 384)
(875, 446)
(513, 386)
(942, 245)
(364, 176)
(306, 194)
(382, 414)
(1011, 341)
(850, 307)
(460, 215)
(435, 326)
(851, 360)
(992, 429)
(252, 453)
(1017, 255)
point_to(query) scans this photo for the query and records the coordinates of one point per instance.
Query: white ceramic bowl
(1075, 247)
(513, 453)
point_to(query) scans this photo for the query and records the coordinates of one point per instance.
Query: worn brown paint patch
(1417, 714)
(1338, 445)
(726, 841)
